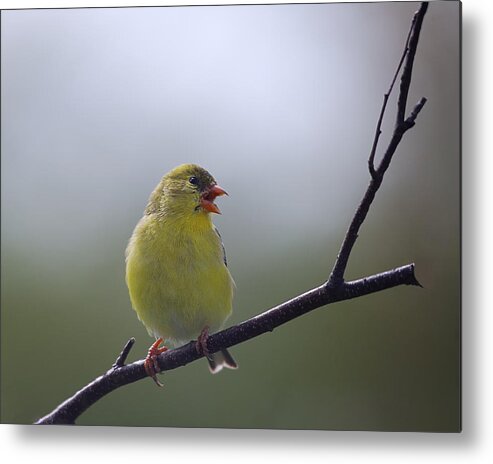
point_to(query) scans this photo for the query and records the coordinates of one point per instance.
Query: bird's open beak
(208, 197)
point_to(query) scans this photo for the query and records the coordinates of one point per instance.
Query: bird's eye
(193, 180)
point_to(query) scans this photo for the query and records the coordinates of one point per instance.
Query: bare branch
(401, 126)
(333, 290)
(72, 408)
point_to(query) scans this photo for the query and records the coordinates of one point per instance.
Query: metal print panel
(327, 293)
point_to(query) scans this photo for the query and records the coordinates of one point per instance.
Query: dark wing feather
(222, 245)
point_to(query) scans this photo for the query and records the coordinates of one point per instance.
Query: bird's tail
(219, 360)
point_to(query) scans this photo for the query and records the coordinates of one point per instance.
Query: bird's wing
(222, 245)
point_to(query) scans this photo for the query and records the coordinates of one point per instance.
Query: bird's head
(186, 189)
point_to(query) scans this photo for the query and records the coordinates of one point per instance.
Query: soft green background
(280, 104)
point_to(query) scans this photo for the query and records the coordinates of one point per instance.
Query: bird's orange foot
(150, 364)
(201, 344)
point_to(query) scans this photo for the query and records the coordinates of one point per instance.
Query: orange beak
(208, 197)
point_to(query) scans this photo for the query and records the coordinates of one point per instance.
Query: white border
(7, 4)
(80, 445)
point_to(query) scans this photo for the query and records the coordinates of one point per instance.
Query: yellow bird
(176, 269)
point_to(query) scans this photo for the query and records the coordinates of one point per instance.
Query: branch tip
(122, 357)
(415, 282)
(412, 277)
(410, 121)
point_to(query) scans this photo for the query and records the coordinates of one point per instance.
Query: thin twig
(120, 361)
(378, 131)
(411, 119)
(333, 290)
(408, 65)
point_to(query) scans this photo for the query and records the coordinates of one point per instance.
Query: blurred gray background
(280, 104)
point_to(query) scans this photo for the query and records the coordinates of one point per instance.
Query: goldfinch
(176, 268)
